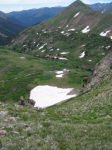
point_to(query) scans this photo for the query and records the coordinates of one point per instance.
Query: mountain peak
(78, 3)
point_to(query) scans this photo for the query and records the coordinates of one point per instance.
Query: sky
(17, 5)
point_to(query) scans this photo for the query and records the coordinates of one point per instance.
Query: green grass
(81, 123)
(19, 75)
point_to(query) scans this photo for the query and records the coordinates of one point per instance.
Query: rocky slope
(103, 71)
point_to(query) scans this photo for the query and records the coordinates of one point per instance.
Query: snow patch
(62, 58)
(86, 29)
(42, 51)
(51, 50)
(22, 57)
(104, 33)
(24, 45)
(82, 54)
(90, 60)
(67, 34)
(45, 96)
(71, 29)
(60, 74)
(64, 53)
(77, 14)
(42, 46)
(62, 32)
(108, 47)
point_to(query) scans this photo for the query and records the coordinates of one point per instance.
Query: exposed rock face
(2, 132)
(102, 71)
(31, 102)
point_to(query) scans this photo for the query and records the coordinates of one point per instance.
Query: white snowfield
(22, 57)
(71, 29)
(62, 32)
(62, 58)
(60, 74)
(107, 47)
(77, 14)
(64, 53)
(86, 29)
(42, 46)
(45, 96)
(104, 33)
(82, 54)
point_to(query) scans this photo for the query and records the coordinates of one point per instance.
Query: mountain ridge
(34, 16)
(102, 7)
(8, 28)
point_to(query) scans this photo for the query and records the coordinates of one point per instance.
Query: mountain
(76, 20)
(102, 7)
(8, 28)
(83, 58)
(74, 39)
(34, 16)
(14, 22)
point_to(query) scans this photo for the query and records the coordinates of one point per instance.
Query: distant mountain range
(14, 22)
(34, 16)
(103, 7)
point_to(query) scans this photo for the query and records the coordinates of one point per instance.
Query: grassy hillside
(82, 123)
(19, 73)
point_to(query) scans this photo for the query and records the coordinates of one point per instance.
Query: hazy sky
(16, 5)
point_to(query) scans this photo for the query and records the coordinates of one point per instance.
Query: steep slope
(103, 71)
(34, 16)
(76, 18)
(102, 7)
(8, 28)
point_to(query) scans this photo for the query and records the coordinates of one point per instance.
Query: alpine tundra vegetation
(56, 78)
